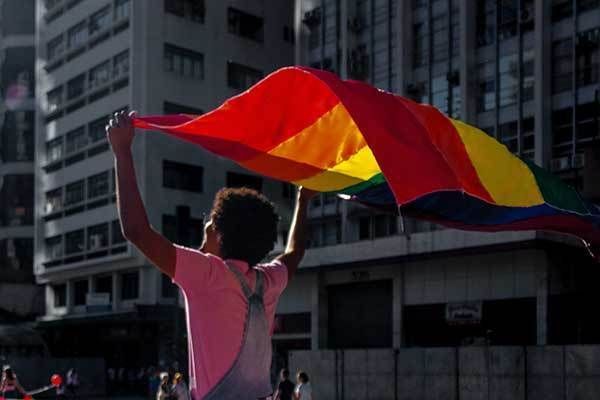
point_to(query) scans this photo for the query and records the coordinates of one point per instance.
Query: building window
(100, 20)
(54, 150)
(97, 237)
(55, 47)
(76, 140)
(527, 70)
(99, 75)
(80, 291)
(96, 129)
(292, 323)
(588, 120)
(439, 93)
(55, 99)
(508, 79)
(121, 9)
(421, 44)
(16, 200)
(325, 233)
(77, 35)
(183, 62)
(174, 108)
(287, 190)
(371, 227)
(562, 65)
(486, 22)
(194, 10)
(130, 285)
(75, 242)
(507, 18)
(241, 77)
(440, 37)
(98, 185)
(60, 295)
(168, 289)
(121, 65)
(588, 57)
(190, 234)
(246, 25)
(103, 284)
(16, 136)
(235, 179)
(117, 233)
(587, 5)
(561, 9)
(75, 193)
(16, 254)
(76, 87)
(54, 248)
(562, 126)
(508, 134)
(182, 176)
(53, 201)
(528, 138)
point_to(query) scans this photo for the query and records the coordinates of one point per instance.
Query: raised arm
(296, 244)
(134, 221)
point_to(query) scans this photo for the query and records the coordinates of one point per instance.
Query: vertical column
(542, 272)
(404, 49)
(115, 291)
(69, 296)
(398, 300)
(343, 38)
(543, 83)
(467, 53)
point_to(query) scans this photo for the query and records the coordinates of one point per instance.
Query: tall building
(95, 57)
(528, 73)
(19, 297)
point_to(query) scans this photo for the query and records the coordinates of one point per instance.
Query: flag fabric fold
(311, 128)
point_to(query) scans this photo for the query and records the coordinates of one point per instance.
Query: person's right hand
(120, 131)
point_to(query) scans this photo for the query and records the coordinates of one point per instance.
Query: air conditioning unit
(95, 242)
(560, 164)
(579, 160)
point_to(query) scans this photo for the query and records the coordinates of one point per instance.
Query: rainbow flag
(311, 128)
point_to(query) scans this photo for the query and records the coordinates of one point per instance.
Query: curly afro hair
(246, 222)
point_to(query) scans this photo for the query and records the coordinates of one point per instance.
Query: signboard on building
(97, 302)
(464, 313)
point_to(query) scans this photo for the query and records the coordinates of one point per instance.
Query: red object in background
(56, 380)
(2, 397)
(27, 397)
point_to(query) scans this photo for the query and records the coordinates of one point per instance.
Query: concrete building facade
(527, 73)
(19, 297)
(156, 57)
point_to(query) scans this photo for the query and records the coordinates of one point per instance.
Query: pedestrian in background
(9, 384)
(72, 382)
(165, 391)
(180, 389)
(285, 389)
(303, 389)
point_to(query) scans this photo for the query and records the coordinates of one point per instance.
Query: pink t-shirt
(216, 311)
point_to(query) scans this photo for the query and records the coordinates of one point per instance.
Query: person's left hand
(120, 131)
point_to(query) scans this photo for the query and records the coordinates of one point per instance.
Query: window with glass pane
(76, 87)
(245, 24)
(440, 37)
(183, 62)
(100, 20)
(508, 134)
(116, 233)
(384, 225)
(55, 47)
(587, 5)
(99, 75)
(98, 185)
(528, 137)
(54, 150)
(121, 9)
(16, 200)
(55, 99)
(77, 35)
(421, 44)
(75, 242)
(16, 254)
(486, 22)
(332, 232)
(562, 126)
(103, 284)
(75, 193)
(507, 18)
(509, 79)
(96, 129)
(182, 176)
(528, 66)
(54, 247)
(60, 295)
(97, 236)
(439, 88)
(130, 285)
(588, 57)
(53, 201)
(241, 76)
(562, 65)
(80, 291)
(561, 9)
(121, 65)
(76, 140)
(235, 179)
(588, 120)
